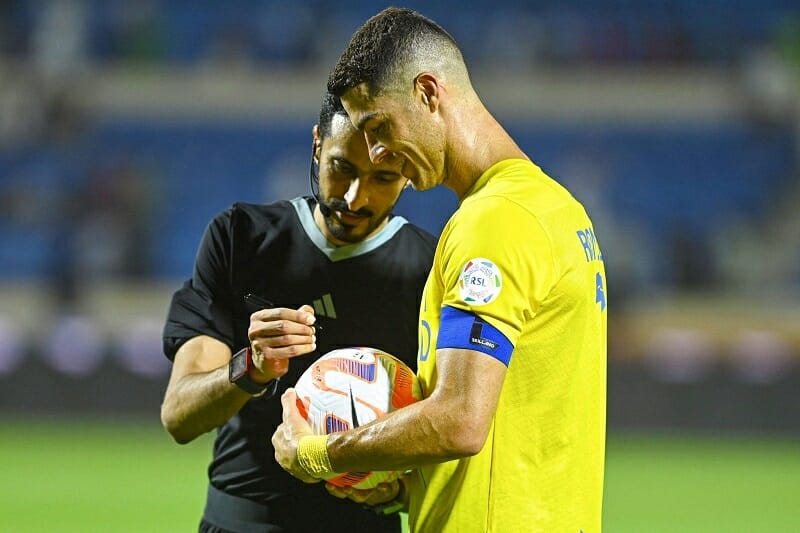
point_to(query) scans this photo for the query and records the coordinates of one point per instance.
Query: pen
(258, 303)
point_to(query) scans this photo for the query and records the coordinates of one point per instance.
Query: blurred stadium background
(126, 125)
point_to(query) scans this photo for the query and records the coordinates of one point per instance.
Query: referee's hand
(276, 335)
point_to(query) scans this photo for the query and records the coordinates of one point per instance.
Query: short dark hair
(381, 45)
(331, 106)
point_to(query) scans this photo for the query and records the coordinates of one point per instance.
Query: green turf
(64, 476)
(99, 476)
(702, 484)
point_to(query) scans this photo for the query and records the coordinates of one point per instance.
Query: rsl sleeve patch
(479, 282)
(466, 330)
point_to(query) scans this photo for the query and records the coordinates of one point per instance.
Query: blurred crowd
(58, 34)
(88, 198)
(53, 176)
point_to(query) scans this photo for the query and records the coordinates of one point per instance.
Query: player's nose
(377, 151)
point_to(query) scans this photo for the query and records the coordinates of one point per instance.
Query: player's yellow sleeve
(486, 270)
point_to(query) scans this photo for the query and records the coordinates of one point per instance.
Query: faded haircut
(393, 39)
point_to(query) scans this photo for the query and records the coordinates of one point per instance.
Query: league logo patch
(480, 281)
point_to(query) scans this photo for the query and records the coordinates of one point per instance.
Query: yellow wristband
(312, 454)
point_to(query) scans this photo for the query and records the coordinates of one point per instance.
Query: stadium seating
(274, 32)
(128, 196)
(664, 181)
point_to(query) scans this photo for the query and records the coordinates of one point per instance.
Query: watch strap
(246, 383)
(257, 389)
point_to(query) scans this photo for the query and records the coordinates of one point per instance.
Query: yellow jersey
(518, 275)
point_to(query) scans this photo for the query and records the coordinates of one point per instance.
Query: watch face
(238, 365)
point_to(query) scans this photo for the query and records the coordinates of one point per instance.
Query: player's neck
(476, 149)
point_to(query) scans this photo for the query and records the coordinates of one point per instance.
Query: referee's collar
(340, 253)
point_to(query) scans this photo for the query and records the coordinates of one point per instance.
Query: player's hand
(278, 334)
(384, 492)
(287, 437)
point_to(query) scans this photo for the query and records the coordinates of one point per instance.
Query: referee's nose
(357, 195)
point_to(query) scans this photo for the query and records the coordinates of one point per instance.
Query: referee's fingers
(277, 328)
(268, 342)
(304, 315)
(286, 352)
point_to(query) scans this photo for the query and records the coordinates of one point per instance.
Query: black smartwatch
(239, 374)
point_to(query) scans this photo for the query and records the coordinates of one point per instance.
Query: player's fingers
(285, 444)
(339, 492)
(383, 493)
(289, 403)
(359, 496)
(276, 441)
(380, 494)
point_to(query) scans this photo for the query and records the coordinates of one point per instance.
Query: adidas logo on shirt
(324, 306)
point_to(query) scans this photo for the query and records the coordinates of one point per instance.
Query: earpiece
(313, 179)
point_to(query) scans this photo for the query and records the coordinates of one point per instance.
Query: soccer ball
(350, 387)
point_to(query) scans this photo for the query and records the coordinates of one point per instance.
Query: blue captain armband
(466, 330)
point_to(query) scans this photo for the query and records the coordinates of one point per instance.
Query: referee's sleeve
(202, 305)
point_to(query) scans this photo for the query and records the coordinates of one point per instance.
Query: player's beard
(352, 233)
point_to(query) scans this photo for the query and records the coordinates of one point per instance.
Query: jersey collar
(339, 253)
(497, 168)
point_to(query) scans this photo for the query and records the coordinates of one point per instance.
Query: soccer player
(512, 330)
(341, 271)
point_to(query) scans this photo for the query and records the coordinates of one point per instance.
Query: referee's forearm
(197, 403)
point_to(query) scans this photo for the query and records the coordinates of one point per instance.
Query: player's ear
(427, 89)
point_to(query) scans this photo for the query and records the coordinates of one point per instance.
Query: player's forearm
(423, 433)
(198, 403)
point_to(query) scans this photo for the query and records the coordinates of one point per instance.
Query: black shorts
(225, 513)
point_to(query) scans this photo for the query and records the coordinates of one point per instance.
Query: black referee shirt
(364, 294)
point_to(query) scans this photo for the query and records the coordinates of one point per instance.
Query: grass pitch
(97, 475)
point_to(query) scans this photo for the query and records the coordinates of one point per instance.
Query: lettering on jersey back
(591, 249)
(589, 243)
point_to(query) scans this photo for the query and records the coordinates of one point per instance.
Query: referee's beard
(352, 227)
